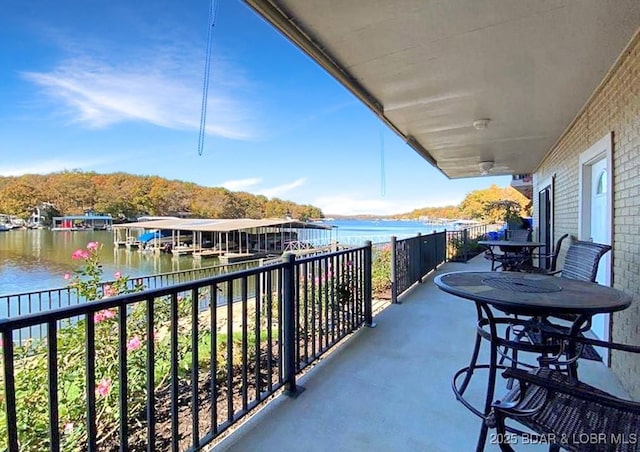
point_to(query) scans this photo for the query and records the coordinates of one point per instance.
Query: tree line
(128, 196)
(493, 205)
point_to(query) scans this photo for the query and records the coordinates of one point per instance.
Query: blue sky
(117, 86)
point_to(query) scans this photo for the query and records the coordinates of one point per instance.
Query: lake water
(354, 232)
(32, 260)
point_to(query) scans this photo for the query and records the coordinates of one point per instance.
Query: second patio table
(513, 252)
(521, 294)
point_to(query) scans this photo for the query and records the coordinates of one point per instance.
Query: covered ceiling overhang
(429, 69)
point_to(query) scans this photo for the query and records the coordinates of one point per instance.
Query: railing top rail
(342, 252)
(158, 275)
(422, 235)
(27, 320)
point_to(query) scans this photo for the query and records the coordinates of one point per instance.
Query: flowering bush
(381, 272)
(31, 366)
(87, 278)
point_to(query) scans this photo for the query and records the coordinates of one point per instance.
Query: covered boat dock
(228, 239)
(82, 223)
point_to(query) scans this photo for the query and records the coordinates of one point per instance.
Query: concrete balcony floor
(389, 388)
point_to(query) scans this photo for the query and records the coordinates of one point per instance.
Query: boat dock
(230, 240)
(82, 223)
(204, 254)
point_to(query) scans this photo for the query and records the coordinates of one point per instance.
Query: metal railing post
(446, 246)
(289, 327)
(394, 273)
(465, 242)
(368, 296)
(422, 264)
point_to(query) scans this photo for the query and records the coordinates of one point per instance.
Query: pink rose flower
(68, 427)
(103, 387)
(67, 276)
(134, 344)
(92, 246)
(108, 291)
(77, 254)
(109, 314)
(103, 315)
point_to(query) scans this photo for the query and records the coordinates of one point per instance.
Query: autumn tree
(450, 212)
(72, 192)
(276, 208)
(252, 206)
(305, 212)
(126, 196)
(489, 205)
(18, 198)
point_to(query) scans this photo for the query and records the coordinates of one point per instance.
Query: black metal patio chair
(581, 263)
(566, 412)
(552, 257)
(518, 235)
(509, 259)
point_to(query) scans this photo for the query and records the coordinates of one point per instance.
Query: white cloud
(241, 184)
(269, 192)
(46, 167)
(155, 91)
(280, 189)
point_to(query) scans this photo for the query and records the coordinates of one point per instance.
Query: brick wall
(614, 107)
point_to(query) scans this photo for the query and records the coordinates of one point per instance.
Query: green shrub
(381, 272)
(31, 364)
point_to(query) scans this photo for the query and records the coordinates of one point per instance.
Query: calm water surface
(32, 260)
(354, 232)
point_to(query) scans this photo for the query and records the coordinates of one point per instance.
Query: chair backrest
(519, 235)
(581, 261)
(556, 252)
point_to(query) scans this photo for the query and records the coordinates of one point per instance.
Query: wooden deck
(204, 254)
(229, 258)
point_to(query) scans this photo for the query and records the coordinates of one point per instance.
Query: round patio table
(513, 251)
(524, 294)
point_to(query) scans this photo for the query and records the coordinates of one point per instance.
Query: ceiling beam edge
(283, 22)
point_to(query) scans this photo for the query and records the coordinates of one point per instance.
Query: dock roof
(84, 217)
(218, 224)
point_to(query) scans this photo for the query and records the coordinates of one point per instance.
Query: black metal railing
(413, 258)
(169, 367)
(45, 300)
(208, 362)
(462, 245)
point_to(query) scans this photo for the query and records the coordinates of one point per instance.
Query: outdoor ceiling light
(485, 167)
(481, 124)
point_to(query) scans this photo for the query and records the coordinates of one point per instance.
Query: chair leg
(517, 335)
(514, 364)
(507, 336)
(501, 435)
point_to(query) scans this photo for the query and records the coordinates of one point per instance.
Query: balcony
(523, 183)
(389, 387)
(263, 333)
